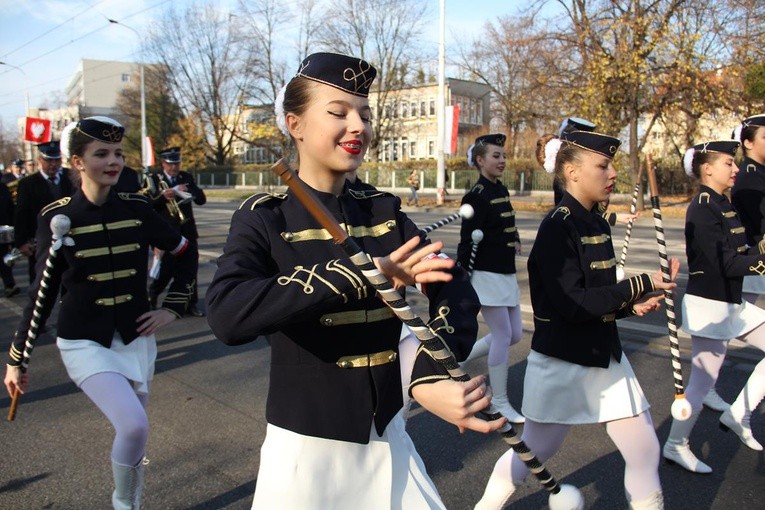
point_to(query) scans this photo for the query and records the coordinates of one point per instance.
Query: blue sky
(46, 39)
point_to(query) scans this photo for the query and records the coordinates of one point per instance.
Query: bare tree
(212, 67)
(513, 56)
(385, 33)
(162, 111)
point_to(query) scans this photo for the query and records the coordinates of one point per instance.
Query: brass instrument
(172, 204)
(13, 187)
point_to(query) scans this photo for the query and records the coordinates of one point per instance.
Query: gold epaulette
(259, 199)
(368, 193)
(565, 211)
(133, 196)
(477, 188)
(55, 205)
(704, 198)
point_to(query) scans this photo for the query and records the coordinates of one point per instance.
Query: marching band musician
(105, 328)
(176, 189)
(34, 192)
(713, 309)
(493, 274)
(334, 437)
(576, 371)
(6, 220)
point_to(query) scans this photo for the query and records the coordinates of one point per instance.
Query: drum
(6, 234)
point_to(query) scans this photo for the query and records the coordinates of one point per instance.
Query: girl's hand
(518, 247)
(647, 304)
(658, 280)
(458, 402)
(626, 217)
(150, 322)
(406, 267)
(15, 379)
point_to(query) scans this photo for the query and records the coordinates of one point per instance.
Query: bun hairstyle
(76, 135)
(554, 153)
(481, 146)
(349, 74)
(747, 129)
(707, 152)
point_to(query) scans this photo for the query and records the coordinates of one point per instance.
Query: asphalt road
(208, 420)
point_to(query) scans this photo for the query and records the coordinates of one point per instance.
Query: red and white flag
(37, 130)
(148, 150)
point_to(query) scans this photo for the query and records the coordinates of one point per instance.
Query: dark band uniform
(334, 366)
(494, 215)
(716, 245)
(104, 273)
(748, 196)
(576, 372)
(572, 279)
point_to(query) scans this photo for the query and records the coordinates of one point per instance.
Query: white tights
(634, 437)
(126, 410)
(505, 329)
(708, 357)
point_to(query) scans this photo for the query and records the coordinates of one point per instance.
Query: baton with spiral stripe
(681, 409)
(476, 236)
(628, 233)
(432, 344)
(466, 211)
(60, 226)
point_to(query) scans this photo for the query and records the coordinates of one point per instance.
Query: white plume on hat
(551, 153)
(66, 140)
(688, 161)
(737, 132)
(281, 116)
(470, 161)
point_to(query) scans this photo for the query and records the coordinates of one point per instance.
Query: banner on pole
(148, 151)
(452, 117)
(37, 130)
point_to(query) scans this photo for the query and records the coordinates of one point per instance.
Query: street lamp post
(144, 158)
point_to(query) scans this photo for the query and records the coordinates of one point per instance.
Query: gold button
(91, 278)
(392, 357)
(288, 236)
(128, 297)
(132, 272)
(327, 321)
(390, 224)
(344, 364)
(99, 301)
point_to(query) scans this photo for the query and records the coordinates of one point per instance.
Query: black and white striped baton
(681, 409)
(476, 236)
(628, 234)
(60, 226)
(432, 344)
(465, 212)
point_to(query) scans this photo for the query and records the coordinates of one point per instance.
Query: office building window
(414, 109)
(125, 78)
(423, 109)
(412, 149)
(404, 110)
(432, 107)
(431, 148)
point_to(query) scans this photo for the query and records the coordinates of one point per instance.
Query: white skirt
(754, 284)
(496, 289)
(719, 320)
(304, 472)
(83, 358)
(556, 391)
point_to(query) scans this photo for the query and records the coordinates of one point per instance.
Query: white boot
(715, 402)
(498, 381)
(128, 485)
(736, 418)
(677, 451)
(654, 501)
(480, 348)
(498, 491)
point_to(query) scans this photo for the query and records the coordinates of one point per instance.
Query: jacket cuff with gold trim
(426, 370)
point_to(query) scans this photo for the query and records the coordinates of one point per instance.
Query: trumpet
(172, 204)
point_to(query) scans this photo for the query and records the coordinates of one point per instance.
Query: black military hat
(593, 142)
(102, 129)
(50, 150)
(351, 74)
(170, 155)
(494, 139)
(18, 162)
(724, 146)
(754, 120)
(575, 124)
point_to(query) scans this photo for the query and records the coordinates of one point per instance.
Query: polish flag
(37, 130)
(149, 152)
